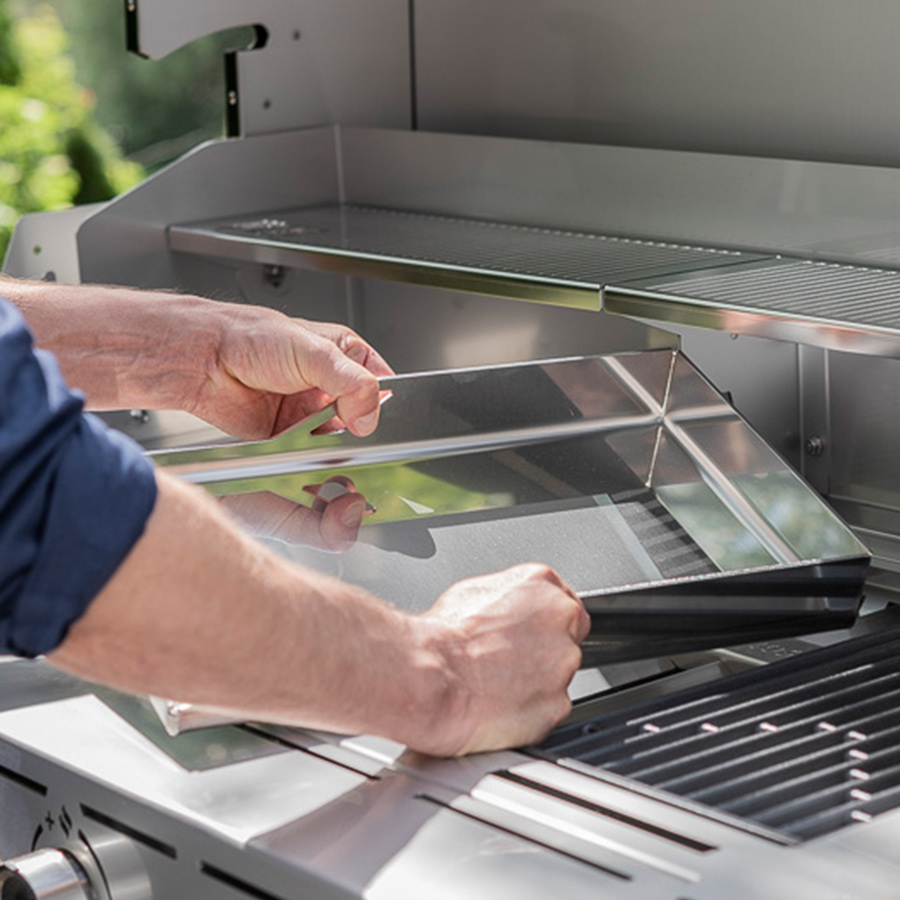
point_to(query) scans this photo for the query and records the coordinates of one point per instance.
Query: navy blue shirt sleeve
(74, 497)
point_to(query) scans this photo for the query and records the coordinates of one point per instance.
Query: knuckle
(573, 660)
(534, 571)
(562, 708)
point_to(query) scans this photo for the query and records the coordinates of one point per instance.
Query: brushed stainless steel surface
(321, 62)
(43, 245)
(698, 200)
(817, 210)
(125, 242)
(805, 80)
(406, 829)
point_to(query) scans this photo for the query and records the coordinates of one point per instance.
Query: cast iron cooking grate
(804, 746)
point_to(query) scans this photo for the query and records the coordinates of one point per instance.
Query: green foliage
(154, 109)
(52, 152)
(9, 60)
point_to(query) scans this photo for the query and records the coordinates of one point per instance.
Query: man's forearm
(123, 348)
(251, 371)
(200, 613)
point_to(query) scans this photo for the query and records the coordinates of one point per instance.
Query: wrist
(440, 699)
(124, 348)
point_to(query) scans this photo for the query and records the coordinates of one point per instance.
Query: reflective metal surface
(44, 875)
(840, 307)
(805, 80)
(553, 266)
(296, 74)
(628, 474)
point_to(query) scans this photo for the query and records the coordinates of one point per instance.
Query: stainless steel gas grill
(693, 417)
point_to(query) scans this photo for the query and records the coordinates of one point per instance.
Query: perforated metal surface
(448, 245)
(830, 304)
(827, 304)
(804, 747)
(850, 294)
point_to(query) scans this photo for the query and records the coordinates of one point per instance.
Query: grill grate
(548, 254)
(804, 746)
(849, 295)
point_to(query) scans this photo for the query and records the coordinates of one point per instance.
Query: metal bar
(213, 471)
(555, 292)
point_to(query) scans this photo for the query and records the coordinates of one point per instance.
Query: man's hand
(250, 371)
(201, 613)
(512, 643)
(268, 372)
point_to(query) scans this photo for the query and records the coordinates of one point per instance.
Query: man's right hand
(511, 642)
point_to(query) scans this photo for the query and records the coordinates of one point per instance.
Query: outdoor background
(80, 118)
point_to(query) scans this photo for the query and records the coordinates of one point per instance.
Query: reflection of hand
(512, 639)
(331, 524)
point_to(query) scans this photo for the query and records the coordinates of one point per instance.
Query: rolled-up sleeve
(74, 497)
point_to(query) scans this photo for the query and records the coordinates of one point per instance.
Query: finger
(543, 571)
(582, 624)
(354, 388)
(340, 522)
(297, 407)
(351, 344)
(269, 515)
(367, 356)
(329, 490)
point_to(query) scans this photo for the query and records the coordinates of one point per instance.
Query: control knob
(42, 874)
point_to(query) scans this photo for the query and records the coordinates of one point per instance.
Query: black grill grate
(803, 747)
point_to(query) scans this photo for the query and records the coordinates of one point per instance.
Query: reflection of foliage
(398, 492)
(799, 515)
(52, 153)
(714, 528)
(794, 512)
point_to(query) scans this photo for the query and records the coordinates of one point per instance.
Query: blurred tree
(52, 152)
(154, 109)
(10, 71)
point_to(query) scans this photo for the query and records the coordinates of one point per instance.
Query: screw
(815, 446)
(273, 275)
